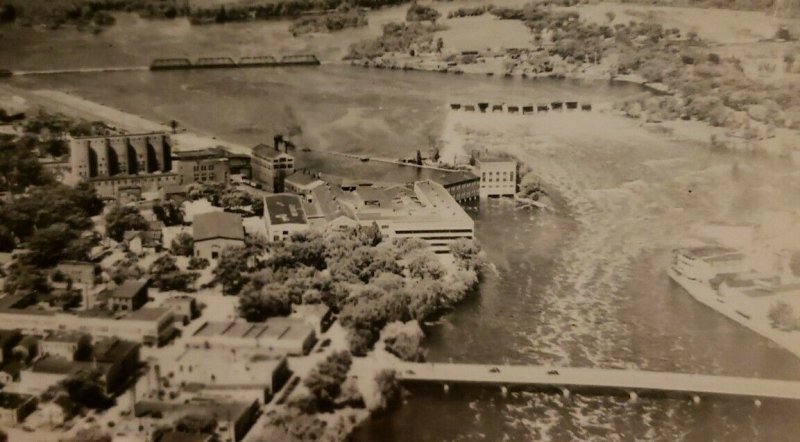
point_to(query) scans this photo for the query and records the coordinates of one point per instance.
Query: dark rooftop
(11, 401)
(301, 178)
(217, 225)
(128, 289)
(284, 208)
(9, 337)
(455, 177)
(178, 436)
(208, 153)
(113, 349)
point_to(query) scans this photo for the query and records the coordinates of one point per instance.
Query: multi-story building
(150, 326)
(498, 177)
(284, 216)
(301, 183)
(427, 211)
(202, 166)
(464, 186)
(270, 166)
(115, 163)
(130, 296)
(128, 154)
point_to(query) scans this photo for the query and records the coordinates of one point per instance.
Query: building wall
(120, 154)
(212, 248)
(272, 171)
(58, 348)
(109, 187)
(465, 191)
(206, 170)
(498, 178)
(145, 331)
(78, 273)
(282, 232)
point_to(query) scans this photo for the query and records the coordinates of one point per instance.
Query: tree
(84, 350)
(197, 263)
(123, 218)
(404, 340)
(196, 423)
(423, 264)
(794, 263)
(182, 244)
(166, 275)
(24, 278)
(49, 245)
(782, 317)
(87, 389)
(126, 269)
(259, 303)
(3, 436)
(325, 380)
(169, 212)
(8, 13)
(419, 12)
(7, 240)
(388, 388)
(233, 268)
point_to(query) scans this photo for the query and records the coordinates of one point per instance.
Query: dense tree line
(279, 9)
(369, 281)
(342, 17)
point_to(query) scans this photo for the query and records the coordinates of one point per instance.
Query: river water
(581, 285)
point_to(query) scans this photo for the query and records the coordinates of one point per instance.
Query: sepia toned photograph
(399, 220)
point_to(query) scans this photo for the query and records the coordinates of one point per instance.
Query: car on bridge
(494, 370)
(553, 372)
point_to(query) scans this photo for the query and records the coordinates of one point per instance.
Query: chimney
(276, 141)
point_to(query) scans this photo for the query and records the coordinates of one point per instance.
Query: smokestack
(276, 141)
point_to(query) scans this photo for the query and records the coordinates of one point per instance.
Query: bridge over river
(598, 381)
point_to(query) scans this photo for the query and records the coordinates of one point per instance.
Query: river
(581, 285)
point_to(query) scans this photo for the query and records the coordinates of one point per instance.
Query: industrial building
(498, 177)
(202, 166)
(270, 166)
(284, 216)
(290, 335)
(128, 154)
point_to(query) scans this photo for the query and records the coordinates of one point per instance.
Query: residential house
(215, 231)
(301, 183)
(130, 295)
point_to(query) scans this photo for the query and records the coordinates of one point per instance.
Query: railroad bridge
(598, 381)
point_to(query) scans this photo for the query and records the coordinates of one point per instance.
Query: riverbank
(72, 105)
(750, 315)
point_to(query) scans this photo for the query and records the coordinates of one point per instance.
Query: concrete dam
(166, 64)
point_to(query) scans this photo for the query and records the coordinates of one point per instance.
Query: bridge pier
(632, 397)
(696, 399)
(504, 390)
(565, 393)
(446, 388)
(757, 403)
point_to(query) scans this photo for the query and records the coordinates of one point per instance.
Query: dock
(598, 381)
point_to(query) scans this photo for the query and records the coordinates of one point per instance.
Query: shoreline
(80, 107)
(709, 297)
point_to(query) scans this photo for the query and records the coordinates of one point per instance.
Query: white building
(498, 177)
(289, 335)
(704, 263)
(284, 216)
(427, 211)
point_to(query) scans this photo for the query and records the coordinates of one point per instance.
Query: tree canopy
(123, 218)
